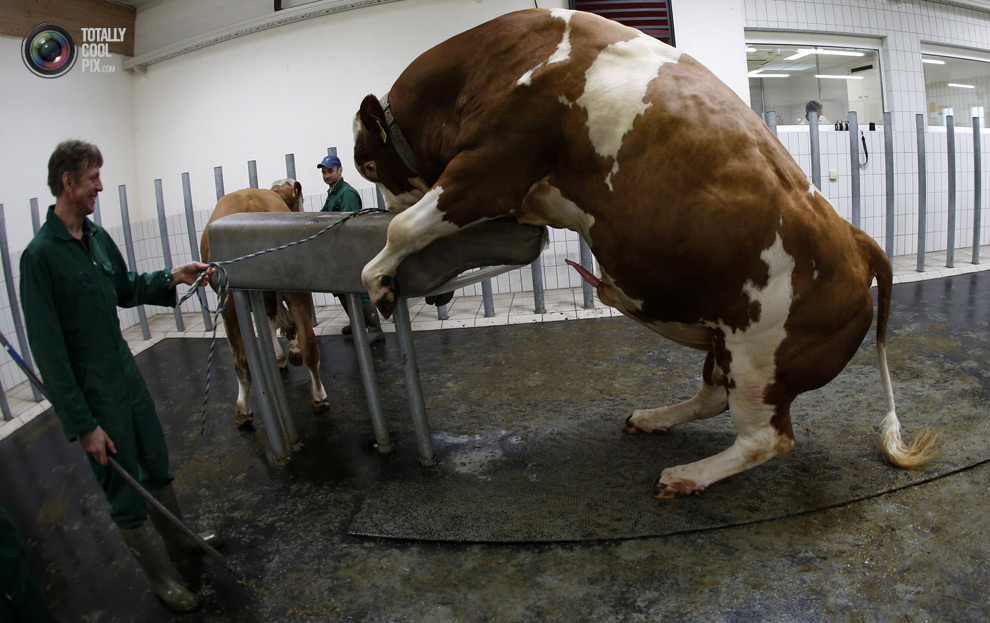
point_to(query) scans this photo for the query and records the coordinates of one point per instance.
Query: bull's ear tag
(382, 130)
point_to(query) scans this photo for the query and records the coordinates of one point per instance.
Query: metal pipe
(857, 217)
(194, 246)
(888, 149)
(35, 216)
(487, 299)
(290, 166)
(15, 308)
(539, 298)
(816, 152)
(772, 121)
(129, 247)
(950, 148)
(587, 262)
(218, 181)
(266, 349)
(977, 190)
(363, 351)
(166, 248)
(252, 173)
(922, 191)
(279, 453)
(410, 369)
(442, 312)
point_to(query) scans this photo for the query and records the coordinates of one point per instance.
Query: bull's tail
(283, 319)
(924, 447)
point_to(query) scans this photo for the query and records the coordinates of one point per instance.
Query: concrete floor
(915, 554)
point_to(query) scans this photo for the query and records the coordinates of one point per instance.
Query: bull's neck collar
(398, 138)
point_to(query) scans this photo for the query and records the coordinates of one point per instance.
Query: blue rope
(223, 291)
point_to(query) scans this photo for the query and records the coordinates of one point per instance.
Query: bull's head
(377, 158)
(291, 193)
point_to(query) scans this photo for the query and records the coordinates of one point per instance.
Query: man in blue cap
(343, 198)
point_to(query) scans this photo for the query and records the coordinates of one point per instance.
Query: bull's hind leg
(710, 400)
(763, 431)
(243, 415)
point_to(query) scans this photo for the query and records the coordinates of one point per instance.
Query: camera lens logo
(48, 50)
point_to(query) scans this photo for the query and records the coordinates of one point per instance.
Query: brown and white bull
(289, 312)
(705, 229)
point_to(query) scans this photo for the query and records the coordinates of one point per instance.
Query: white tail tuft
(923, 449)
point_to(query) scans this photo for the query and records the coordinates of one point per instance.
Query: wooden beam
(20, 16)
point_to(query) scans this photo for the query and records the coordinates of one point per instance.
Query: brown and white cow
(705, 228)
(295, 322)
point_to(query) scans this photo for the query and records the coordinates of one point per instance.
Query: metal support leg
(279, 454)
(407, 350)
(363, 350)
(266, 349)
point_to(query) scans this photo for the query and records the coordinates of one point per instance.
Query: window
(784, 78)
(958, 87)
(652, 18)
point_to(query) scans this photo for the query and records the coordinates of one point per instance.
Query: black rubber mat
(527, 424)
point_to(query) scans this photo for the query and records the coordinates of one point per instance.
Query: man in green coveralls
(343, 198)
(73, 278)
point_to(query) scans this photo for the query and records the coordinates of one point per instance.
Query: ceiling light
(828, 76)
(802, 52)
(932, 61)
(755, 74)
(750, 50)
(962, 86)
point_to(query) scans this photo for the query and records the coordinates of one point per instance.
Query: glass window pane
(786, 78)
(958, 87)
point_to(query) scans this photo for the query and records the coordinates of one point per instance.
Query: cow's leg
(242, 415)
(710, 400)
(279, 353)
(763, 431)
(273, 303)
(301, 309)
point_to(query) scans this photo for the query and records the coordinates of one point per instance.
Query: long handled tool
(206, 547)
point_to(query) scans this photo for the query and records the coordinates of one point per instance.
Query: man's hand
(96, 443)
(187, 274)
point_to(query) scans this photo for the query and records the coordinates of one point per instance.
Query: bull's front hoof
(321, 406)
(632, 429)
(383, 295)
(244, 421)
(673, 490)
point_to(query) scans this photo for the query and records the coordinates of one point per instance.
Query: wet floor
(915, 553)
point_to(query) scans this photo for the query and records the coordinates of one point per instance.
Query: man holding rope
(73, 277)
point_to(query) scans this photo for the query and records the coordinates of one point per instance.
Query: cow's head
(291, 193)
(378, 161)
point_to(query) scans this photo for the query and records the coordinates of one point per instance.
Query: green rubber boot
(174, 595)
(178, 545)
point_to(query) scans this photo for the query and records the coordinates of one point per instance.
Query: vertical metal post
(279, 453)
(888, 153)
(252, 173)
(772, 121)
(977, 190)
(15, 308)
(442, 312)
(363, 351)
(539, 300)
(290, 166)
(922, 191)
(331, 151)
(266, 349)
(166, 247)
(950, 148)
(407, 350)
(35, 215)
(857, 214)
(129, 247)
(96, 212)
(486, 298)
(380, 197)
(218, 181)
(816, 151)
(587, 263)
(194, 245)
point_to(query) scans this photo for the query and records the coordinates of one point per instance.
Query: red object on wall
(650, 17)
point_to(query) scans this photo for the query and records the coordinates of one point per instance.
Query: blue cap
(329, 162)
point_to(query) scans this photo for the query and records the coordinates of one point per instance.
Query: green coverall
(343, 198)
(70, 297)
(20, 599)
